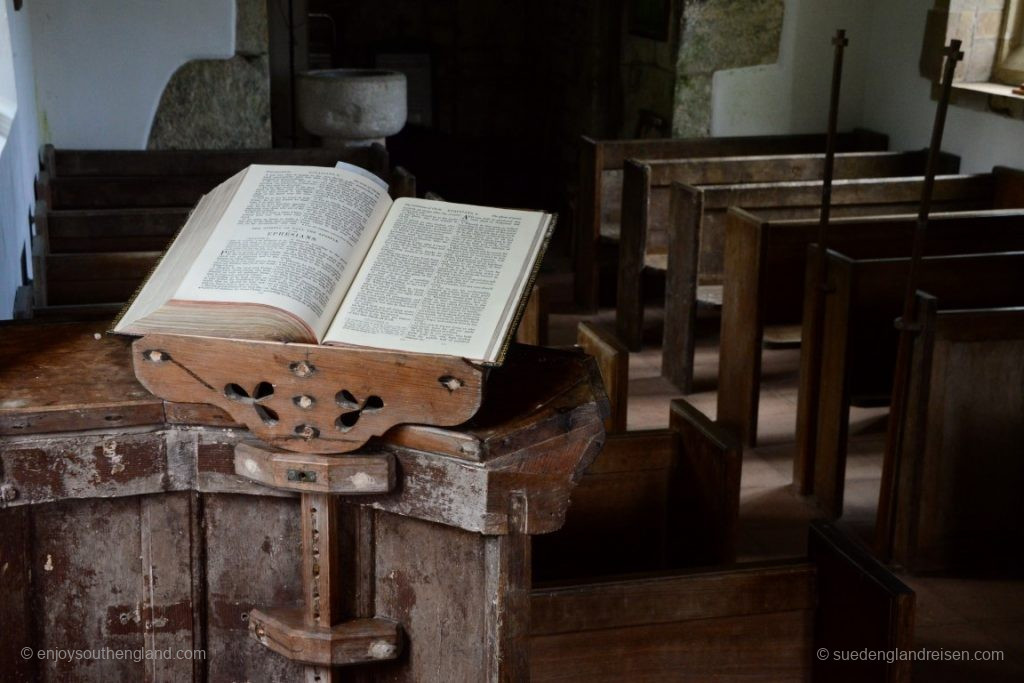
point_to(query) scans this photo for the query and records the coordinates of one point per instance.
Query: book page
(442, 278)
(293, 238)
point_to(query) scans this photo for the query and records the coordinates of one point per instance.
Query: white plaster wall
(898, 99)
(882, 88)
(18, 154)
(792, 95)
(101, 65)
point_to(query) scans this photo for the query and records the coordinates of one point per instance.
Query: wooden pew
(662, 498)
(600, 182)
(858, 340)
(613, 363)
(699, 215)
(646, 196)
(956, 497)
(747, 622)
(533, 325)
(93, 230)
(126, 205)
(765, 266)
(95, 278)
(64, 163)
(104, 192)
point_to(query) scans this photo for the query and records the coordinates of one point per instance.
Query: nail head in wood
(302, 368)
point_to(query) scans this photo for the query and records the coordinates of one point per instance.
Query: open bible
(323, 255)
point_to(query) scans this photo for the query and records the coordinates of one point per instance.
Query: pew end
(663, 499)
(612, 358)
(955, 488)
(533, 326)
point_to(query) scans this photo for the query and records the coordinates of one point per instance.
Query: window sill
(993, 89)
(986, 96)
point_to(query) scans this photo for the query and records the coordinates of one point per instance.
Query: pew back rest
(600, 181)
(766, 260)
(795, 200)
(62, 163)
(868, 295)
(601, 161)
(646, 184)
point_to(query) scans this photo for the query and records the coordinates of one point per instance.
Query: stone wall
(649, 77)
(670, 80)
(977, 24)
(218, 103)
(717, 35)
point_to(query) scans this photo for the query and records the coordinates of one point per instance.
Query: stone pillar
(220, 103)
(716, 35)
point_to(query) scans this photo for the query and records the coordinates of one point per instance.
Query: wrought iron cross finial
(953, 50)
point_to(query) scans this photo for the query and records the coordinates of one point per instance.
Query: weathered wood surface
(62, 377)
(600, 181)
(311, 473)
(48, 468)
(956, 473)
(309, 398)
(466, 620)
(759, 622)
(765, 266)
(700, 215)
(537, 434)
(248, 553)
(69, 377)
(858, 342)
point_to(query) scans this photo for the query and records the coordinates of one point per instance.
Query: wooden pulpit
(147, 526)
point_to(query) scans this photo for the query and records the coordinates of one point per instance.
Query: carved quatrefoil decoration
(355, 408)
(262, 392)
(307, 398)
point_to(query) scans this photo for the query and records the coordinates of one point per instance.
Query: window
(1009, 63)
(992, 39)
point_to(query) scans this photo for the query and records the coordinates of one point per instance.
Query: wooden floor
(953, 613)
